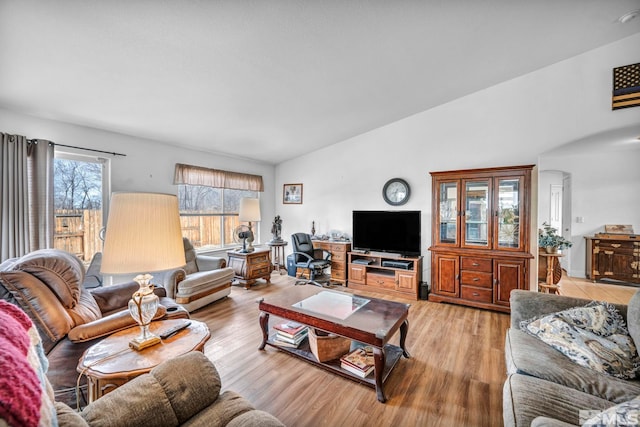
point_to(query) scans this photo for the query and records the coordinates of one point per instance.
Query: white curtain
(26, 195)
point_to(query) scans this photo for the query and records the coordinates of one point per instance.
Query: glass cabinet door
(448, 216)
(508, 204)
(476, 213)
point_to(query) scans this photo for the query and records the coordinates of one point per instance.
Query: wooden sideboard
(616, 258)
(385, 273)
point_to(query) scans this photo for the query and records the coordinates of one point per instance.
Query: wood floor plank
(454, 376)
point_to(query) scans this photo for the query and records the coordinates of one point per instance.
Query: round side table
(277, 249)
(111, 363)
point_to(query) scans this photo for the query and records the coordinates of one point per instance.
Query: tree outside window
(209, 215)
(78, 204)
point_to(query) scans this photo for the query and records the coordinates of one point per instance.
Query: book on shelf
(359, 361)
(290, 329)
(278, 341)
(286, 341)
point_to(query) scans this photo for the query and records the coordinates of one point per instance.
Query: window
(81, 190)
(209, 215)
(209, 203)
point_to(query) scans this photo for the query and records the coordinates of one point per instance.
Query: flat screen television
(387, 231)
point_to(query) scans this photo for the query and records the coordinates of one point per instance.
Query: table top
(112, 357)
(282, 243)
(368, 320)
(557, 255)
(255, 251)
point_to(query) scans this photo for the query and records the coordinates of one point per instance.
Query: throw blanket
(26, 397)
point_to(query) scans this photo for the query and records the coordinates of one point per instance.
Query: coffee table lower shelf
(392, 355)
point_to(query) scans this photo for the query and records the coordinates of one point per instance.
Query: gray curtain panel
(40, 165)
(26, 196)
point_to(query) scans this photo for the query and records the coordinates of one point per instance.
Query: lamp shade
(143, 234)
(249, 209)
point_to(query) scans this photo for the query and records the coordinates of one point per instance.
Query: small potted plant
(550, 240)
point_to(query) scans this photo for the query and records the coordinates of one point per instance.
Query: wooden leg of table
(379, 360)
(264, 324)
(550, 271)
(404, 329)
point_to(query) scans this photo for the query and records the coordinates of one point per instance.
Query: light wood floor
(454, 377)
(583, 288)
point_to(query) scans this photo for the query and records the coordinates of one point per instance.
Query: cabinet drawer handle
(475, 264)
(475, 294)
(616, 245)
(475, 279)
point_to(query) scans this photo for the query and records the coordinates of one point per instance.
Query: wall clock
(396, 192)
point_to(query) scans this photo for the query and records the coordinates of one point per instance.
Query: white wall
(605, 190)
(148, 165)
(507, 124)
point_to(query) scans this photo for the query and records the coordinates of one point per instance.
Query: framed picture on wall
(292, 194)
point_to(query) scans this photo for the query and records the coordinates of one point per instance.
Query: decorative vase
(551, 249)
(313, 228)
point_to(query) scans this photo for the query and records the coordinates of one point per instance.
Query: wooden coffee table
(370, 321)
(111, 363)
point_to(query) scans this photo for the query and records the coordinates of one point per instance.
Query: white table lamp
(249, 212)
(143, 234)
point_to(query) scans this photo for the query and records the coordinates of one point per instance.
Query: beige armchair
(201, 281)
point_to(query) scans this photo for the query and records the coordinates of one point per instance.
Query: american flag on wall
(626, 87)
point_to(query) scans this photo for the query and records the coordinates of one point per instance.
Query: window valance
(197, 175)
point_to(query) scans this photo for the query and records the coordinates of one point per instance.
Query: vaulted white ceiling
(272, 79)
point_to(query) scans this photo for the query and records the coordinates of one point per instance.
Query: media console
(385, 273)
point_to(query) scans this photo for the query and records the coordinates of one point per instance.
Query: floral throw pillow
(594, 336)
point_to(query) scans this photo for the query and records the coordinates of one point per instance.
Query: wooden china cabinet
(480, 235)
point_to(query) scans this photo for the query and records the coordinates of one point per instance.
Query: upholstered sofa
(182, 391)
(543, 386)
(47, 285)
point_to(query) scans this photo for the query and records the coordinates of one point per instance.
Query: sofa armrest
(114, 297)
(172, 393)
(526, 305)
(206, 262)
(168, 280)
(549, 422)
(107, 325)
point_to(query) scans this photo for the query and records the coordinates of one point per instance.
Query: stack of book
(290, 334)
(358, 361)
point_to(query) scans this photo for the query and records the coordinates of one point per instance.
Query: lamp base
(138, 344)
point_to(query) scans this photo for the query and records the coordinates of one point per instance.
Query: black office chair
(308, 258)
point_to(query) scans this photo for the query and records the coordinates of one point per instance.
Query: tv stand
(368, 272)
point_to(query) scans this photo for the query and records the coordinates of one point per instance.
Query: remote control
(174, 330)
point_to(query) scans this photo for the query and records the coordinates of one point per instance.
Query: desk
(338, 251)
(552, 261)
(111, 363)
(277, 255)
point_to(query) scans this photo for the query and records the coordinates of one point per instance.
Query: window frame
(223, 215)
(105, 170)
